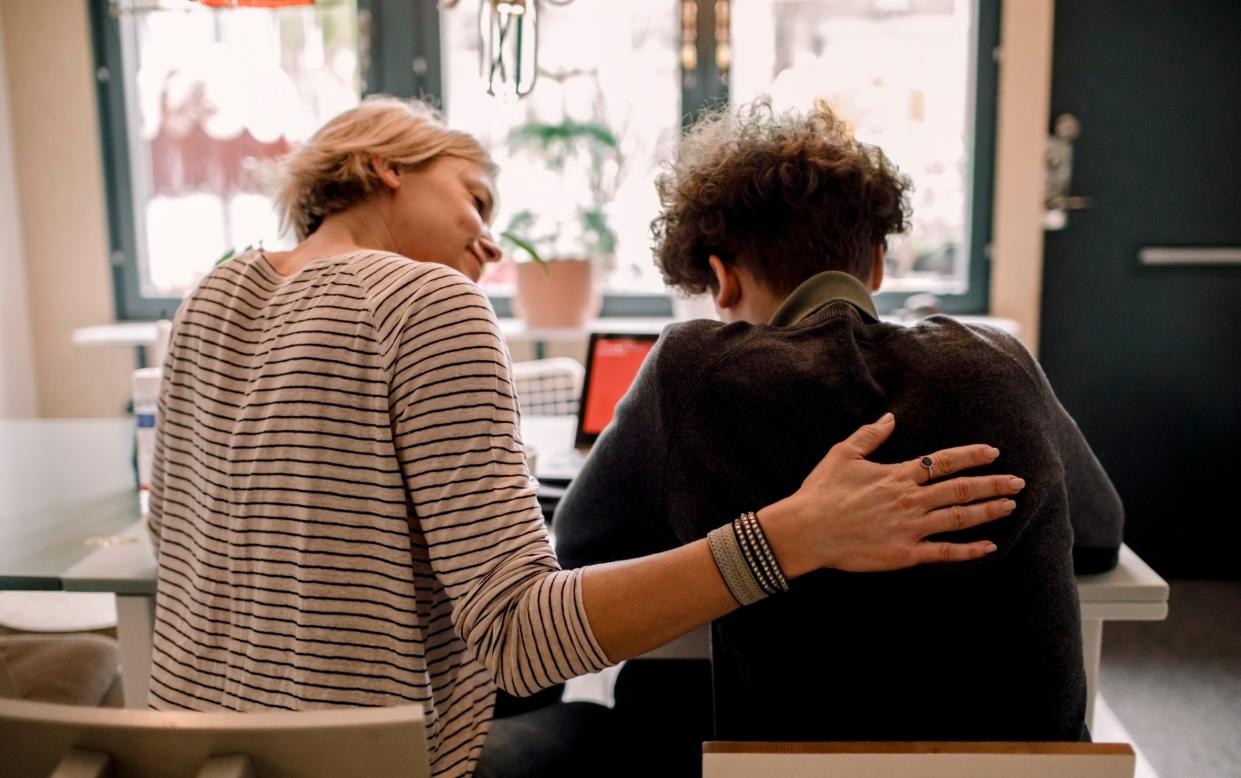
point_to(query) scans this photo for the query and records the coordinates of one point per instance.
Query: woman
(340, 502)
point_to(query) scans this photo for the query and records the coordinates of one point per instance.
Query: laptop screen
(612, 362)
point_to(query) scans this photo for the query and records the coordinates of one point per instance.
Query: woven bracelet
(738, 575)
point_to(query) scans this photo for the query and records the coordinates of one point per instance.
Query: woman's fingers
(927, 552)
(857, 515)
(865, 440)
(959, 491)
(959, 517)
(948, 461)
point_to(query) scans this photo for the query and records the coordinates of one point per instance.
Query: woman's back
(315, 432)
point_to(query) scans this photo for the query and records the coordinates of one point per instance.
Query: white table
(69, 520)
(126, 568)
(142, 334)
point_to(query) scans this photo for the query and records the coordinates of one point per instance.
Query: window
(902, 73)
(197, 102)
(213, 99)
(608, 83)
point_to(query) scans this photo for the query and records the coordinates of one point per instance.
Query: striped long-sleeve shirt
(341, 505)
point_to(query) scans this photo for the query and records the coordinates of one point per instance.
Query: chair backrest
(41, 740)
(548, 387)
(917, 760)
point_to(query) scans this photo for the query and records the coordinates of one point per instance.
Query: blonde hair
(332, 171)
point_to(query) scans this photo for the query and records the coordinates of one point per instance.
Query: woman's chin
(467, 266)
(472, 268)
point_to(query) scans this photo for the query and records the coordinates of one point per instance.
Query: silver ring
(929, 464)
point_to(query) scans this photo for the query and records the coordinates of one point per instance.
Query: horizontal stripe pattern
(342, 509)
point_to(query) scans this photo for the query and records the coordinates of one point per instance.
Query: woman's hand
(853, 514)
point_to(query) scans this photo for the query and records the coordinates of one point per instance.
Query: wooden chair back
(917, 760)
(41, 740)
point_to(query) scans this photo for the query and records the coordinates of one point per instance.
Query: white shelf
(126, 333)
(142, 333)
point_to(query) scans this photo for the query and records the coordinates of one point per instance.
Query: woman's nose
(491, 252)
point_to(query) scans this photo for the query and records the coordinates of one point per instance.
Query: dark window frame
(707, 87)
(984, 82)
(401, 57)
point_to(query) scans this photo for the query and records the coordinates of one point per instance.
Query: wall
(17, 380)
(1022, 120)
(63, 216)
(55, 139)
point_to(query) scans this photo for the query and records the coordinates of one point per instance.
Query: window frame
(409, 65)
(118, 179)
(387, 66)
(984, 84)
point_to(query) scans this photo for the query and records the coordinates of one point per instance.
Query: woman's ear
(726, 283)
(385, 171)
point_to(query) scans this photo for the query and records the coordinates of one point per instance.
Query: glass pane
(605, 70)
(899, 71)
(214, 97)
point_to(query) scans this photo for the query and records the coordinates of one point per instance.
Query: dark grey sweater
(725, 418)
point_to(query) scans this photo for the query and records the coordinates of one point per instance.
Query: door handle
(1070, 202)
(1057, 201)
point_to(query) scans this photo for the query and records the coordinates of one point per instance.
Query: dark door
(1148, 359)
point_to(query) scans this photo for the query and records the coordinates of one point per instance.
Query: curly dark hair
(785, 196)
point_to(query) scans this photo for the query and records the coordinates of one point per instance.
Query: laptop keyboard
(560, 467)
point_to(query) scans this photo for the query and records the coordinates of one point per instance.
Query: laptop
(612, 363)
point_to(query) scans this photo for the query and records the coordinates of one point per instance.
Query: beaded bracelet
(754, 556)
(771, 575)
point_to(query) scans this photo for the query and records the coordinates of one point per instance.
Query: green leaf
(596, 222)
(521, 221)
(525, 246)
(232, 253)
(557, 142)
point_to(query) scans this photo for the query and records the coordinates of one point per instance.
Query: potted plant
(563, 246)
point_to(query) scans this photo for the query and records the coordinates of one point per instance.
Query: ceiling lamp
(508, 36)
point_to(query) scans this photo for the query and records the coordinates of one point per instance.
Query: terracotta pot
(561, 295)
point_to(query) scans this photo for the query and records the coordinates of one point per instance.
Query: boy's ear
(728, 290)
(876, 270)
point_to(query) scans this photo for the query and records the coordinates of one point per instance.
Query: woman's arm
(476, 519)
(850, 514)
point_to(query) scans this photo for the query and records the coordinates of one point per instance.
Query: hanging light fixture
(508, 38)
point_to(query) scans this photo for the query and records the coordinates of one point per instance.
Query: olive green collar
(821, 290)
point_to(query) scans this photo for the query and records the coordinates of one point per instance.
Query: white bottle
(146, 401)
